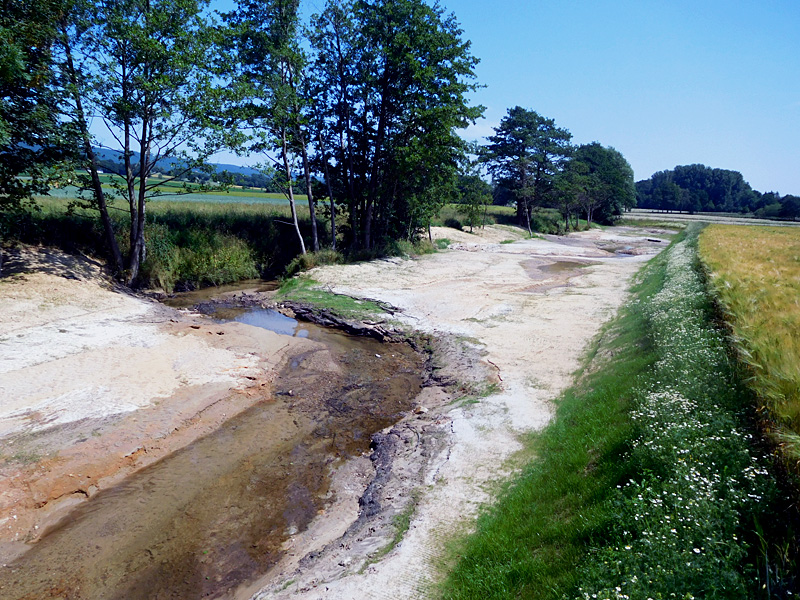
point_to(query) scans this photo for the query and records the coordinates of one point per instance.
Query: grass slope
(647, 484)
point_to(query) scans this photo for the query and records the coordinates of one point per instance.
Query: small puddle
(215, 515)
(552, 275)
(266, 318)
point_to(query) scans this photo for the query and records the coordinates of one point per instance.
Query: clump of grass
(304, 262)
(756, 273)
(442, 243)
(195, 258)
(190, 244)
(647, 484)
(306, 290)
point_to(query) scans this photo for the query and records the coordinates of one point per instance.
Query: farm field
(756, 273)
(646, 215)
(174, 191)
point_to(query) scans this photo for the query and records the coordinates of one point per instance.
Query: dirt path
(530, 308)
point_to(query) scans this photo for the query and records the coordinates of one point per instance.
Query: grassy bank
(648, 484)
(190, 244)
(543, 220)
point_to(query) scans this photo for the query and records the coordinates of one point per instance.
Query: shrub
(453, 223)
(304, 262)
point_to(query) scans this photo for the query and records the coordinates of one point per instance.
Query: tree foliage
(609, 187)
(524, 156)
(694, 188)
(392, 79)
(152, 71)
(32, 140)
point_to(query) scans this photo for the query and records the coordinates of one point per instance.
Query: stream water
(215, 515)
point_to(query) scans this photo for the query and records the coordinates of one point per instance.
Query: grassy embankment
(205, 239)
(647, 483)
(543, 220)
(190, 243)
(756, 274)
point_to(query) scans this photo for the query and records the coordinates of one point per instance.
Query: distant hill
(111, 161)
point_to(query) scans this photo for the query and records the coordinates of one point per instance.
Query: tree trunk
(527, 218)
(330, 194)
(373, 181)
(290, 191)
(99, 194)
(138, 250)
(310, 194)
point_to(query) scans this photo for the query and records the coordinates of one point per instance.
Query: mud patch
(550, 275)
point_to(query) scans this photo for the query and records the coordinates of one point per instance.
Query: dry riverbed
(528, 309)
(96, 385)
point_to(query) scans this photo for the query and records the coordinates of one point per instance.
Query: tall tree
(32, 139)
(524, 156)
(153, 73)
(398, 75)
(271, 63)
(74, 26)
(609, 186)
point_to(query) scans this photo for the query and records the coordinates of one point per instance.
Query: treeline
(697, 188)
(362, 104)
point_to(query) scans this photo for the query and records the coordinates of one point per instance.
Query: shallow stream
(215, 515)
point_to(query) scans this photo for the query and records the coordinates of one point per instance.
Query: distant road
(654, 215)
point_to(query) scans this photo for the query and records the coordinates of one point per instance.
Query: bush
(453, 223)
(304, 262)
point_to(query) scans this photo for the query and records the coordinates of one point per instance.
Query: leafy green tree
(271, 64)
(153, 72)
(474, 196)
(700, 186)
(397, 75)
(32, 140)
(790, 207)
(571, 186)
(74, 27)
(609, 187)
(524, 155)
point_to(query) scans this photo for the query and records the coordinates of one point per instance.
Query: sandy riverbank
(529, 308)
(96, 383)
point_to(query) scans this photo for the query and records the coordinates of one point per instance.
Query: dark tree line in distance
(697, 188)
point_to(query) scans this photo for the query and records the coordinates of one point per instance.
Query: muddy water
(214, 515)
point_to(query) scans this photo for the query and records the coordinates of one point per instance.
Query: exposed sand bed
(531, 308)
(96, 383)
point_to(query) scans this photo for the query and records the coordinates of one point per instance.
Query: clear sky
(668, 82)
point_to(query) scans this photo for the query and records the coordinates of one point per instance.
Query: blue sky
(666, 83)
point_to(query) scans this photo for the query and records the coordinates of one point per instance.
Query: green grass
(646, 484)
(442, 243)
(190, 244)
(304, 289)
(530, 543)
(187, 192)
